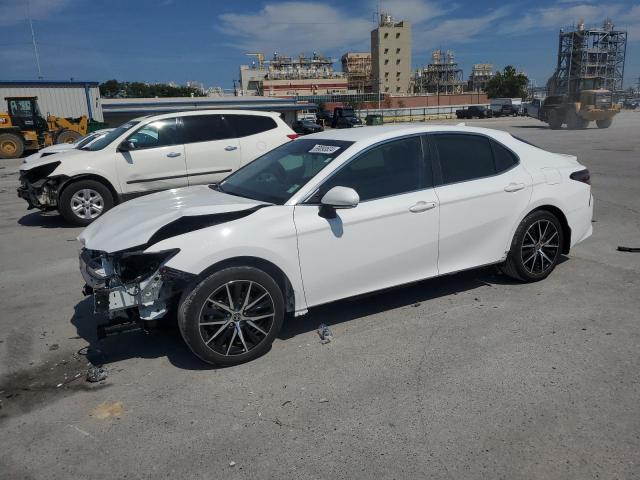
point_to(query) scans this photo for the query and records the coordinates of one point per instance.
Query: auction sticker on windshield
(326, 149)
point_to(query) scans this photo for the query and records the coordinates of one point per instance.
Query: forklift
(23, 127)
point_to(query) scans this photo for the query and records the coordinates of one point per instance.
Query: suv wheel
(536, 247)
(232, 316)
(83, 201)
(555, 120)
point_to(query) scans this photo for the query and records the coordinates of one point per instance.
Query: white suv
(149, 154)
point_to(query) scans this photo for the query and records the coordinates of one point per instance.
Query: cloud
(415, 11)
(561, 16)
(293, 27)
(15, 11)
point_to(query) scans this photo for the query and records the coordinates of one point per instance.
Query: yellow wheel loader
(23, 127)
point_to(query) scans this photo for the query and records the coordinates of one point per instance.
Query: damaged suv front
(39, 186)
(133, 282)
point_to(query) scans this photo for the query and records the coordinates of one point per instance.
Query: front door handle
(173, 154)
(514, 187)
(230, 148)
(423, 207)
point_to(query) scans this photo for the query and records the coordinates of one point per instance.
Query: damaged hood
(58, 157)
(135, 222)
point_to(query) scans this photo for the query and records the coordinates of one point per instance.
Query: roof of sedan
(383, 132)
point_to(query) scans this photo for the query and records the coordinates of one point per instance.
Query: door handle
(173, 154)
(230, 148)
(423, 207)
(514, 187)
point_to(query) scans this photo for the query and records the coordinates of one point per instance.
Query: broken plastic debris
(96, 374)
(232, 463)
(325, 333)
(324, 400)
(628, 249)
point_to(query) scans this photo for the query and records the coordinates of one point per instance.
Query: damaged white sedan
(333, 215)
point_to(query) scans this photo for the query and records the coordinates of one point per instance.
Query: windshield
(279, 174)
(109, 137)
(87, 139)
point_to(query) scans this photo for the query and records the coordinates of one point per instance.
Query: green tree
(508, 84)
(113, 88)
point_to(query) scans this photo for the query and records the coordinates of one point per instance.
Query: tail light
(293, 136)
(581, 176)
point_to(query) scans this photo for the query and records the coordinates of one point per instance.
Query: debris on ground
(108, 410)
(232, 463)
(417, 304)
(628, 249)
(325, 333)
(285, 402)
(96, 374)
(324, 400)
(55, 346)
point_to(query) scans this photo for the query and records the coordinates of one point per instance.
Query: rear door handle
(423, 207)
(514, 187)
(230, 148)
(173, 154)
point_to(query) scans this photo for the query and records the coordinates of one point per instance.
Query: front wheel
(232, 316)
(555, 120)
(605, 123)
(83, 201)
(536, 247)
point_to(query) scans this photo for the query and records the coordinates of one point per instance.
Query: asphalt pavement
(468, 376)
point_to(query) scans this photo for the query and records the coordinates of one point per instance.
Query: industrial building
(120, 110)
(480, 75)
(391, 56)
(357, 67)
(589, 57)
(59, 98)
(292, 76)
(442, 75)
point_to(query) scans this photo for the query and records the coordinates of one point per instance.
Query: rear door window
(245, 125)
(504, 158)
(205, 128)
(463, 157)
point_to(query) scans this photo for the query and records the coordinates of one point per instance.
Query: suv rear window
(245, 125)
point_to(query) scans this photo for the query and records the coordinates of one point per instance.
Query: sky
(207, 40)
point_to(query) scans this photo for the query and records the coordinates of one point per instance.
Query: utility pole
(35, 45)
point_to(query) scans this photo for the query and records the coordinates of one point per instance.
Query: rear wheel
(68, 136)
(605, 123)
(536, 247)
(232, 316)
(84, 201)
(11, 145)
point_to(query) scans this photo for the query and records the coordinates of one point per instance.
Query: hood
(58, 157)
(135, 222)
(52, 149)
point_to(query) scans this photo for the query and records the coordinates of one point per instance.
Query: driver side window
(390, 169)
(160, 133)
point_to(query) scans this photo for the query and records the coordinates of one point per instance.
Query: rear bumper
(580, 222)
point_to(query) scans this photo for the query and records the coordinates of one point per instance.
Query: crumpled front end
(38, 188)
(131, 282)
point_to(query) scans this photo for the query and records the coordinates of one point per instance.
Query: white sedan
(328, 216)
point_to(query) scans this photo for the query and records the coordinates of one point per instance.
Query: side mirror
(126, 146)
(338, 197)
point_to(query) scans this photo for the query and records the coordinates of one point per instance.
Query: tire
(83, 201)
(68, 136)
(527, 264)
(11, 145)
(554, 120)
(605, 123)
(231, 339)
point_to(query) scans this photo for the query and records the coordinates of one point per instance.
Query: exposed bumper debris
(325, 333)
(96, 374)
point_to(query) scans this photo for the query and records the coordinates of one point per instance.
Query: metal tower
(589, 58)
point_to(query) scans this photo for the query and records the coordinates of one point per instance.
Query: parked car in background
(532, 108)
(509, 111)
(305, 127)
(324, 117)
(344, 117)
(496, 104)
(329, 216)
(63, 147)
(149, 154)
(474, 111)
